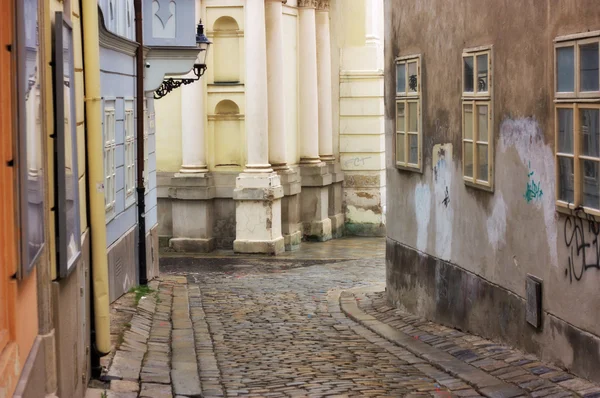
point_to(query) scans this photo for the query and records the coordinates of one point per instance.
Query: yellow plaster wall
(168, 132)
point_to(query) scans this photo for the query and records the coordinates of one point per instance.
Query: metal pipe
(141, 190)
(95, 171)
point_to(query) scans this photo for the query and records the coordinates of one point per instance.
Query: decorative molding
(113, 41)
(323, 5)
(307, 3)
(164, 12)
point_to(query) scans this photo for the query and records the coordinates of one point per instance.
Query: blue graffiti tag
(533, 190)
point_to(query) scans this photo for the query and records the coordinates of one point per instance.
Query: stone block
(191, 245)
(186, 382)
(275, 246)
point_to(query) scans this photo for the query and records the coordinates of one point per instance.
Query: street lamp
(172, 83)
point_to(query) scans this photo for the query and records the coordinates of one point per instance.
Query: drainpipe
(95, 172)
(141, 190)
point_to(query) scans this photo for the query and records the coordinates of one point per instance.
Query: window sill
(569, 209)
(488, 187)
(403, 167)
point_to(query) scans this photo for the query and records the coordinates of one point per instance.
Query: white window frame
(575, 101)
(407, 97)
(129, 152)
(110, 171)
(477, 99)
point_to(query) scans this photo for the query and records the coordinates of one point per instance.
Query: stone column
(308, 90)
(290, 216)
(258, 189)
(192, 189)
(335, 194)
(275, 83)
(315, 174)
(324, 82)
(192, 128)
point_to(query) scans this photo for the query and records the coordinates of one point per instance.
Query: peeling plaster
(525, 135)
(442, 196)
(423, 213)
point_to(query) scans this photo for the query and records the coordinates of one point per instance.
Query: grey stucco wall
(500, 237)
(117, 80)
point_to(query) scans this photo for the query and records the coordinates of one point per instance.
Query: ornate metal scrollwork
(172, 83)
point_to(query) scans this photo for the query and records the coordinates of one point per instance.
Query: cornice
(114, 42)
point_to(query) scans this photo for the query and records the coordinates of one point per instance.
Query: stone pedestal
(192, 210)
(258, 214)
(336, 200)
(290, 209)
(315, 202)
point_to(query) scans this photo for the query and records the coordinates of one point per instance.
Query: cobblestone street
(225, 326)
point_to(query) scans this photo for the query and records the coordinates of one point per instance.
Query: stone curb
(486, 384)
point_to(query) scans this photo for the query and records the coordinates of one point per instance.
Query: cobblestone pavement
(257, 327)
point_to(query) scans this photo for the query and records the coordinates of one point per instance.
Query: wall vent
(533, 290)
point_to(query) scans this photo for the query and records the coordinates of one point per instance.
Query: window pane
(588, 67)
(412, 77)
(589, 119)
(468, 77)
(400, 78)
(591, 189)
(482, 120)
(565, 130)
(413, 121)
(482, 158)
(400, 116)
(565, 69)
(482, 72)
(468, 159)
(413, 154)
(565, 179)
(468, 109)
(400, 147)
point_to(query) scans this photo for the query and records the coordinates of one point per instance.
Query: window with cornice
(408, 113)
(577, 121)
(477, 124)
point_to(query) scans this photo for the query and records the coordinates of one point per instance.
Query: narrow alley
(218, 325)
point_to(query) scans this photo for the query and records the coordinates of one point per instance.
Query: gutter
(95, 186)
(141, 189)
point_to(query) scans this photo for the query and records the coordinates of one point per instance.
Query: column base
(274, 247)
(319, 231)
(293, 240)
(192, 245)
(258, 214)
(193, 169)
(337, 225)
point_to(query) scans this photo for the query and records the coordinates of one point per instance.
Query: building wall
(357, 106)
(457, 254)
(358, 39)
(67, 347)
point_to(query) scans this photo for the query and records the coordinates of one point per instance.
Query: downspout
(95, 171)
(141, 190)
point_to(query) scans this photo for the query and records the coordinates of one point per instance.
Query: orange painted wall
(18, 299)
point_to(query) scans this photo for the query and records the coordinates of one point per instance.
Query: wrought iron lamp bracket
(173, 83)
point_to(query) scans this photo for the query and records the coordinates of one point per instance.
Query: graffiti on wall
(446, 200)
(581, 238)
(533, 190)
(443, 169)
